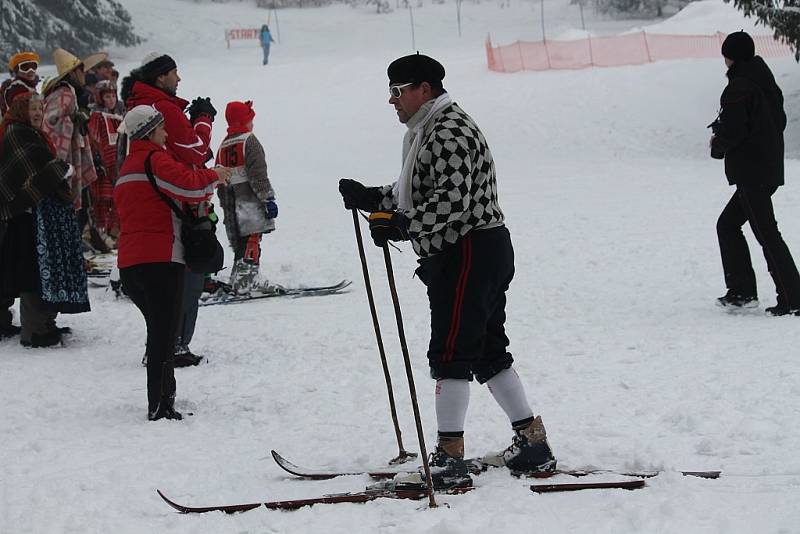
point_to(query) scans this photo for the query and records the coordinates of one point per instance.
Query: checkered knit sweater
(453, 187)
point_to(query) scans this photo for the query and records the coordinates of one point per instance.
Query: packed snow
(611, 200)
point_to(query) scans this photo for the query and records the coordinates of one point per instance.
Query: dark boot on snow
(165, 409)
(529, 451)
(735, 300)
(448, 469)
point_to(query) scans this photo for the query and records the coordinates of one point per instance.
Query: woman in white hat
(151, 256)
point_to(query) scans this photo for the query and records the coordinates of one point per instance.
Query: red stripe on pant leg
(466, 264)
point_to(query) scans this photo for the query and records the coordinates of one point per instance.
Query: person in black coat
(748, 135)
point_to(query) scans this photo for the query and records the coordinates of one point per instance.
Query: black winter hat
(154, 65)
(416, 68)
(739, 46)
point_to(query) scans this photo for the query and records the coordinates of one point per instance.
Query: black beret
(415, 68)
(739, 46)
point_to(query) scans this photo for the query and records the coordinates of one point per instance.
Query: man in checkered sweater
(445, 203)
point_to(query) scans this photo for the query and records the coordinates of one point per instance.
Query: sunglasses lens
(395, 91)
(28, 66)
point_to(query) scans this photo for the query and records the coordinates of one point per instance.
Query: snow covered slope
(612, 202)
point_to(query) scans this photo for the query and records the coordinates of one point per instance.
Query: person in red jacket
(150, 250)
(155, 83)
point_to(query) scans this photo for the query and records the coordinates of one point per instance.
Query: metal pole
(413, 38)
(580, 6)
(544, 37)
(458, 15)
(409, 374)
(277, 24)
(402, 455)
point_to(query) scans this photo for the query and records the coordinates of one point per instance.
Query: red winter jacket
(149, 230)
(187, 141)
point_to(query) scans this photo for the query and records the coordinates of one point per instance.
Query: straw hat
(66, 63)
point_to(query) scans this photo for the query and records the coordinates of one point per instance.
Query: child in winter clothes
(248, 201)
(103, 124)
(23, 70)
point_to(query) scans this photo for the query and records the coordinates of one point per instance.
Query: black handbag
(202, 250)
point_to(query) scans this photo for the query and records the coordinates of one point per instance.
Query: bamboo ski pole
(402, 455)
(409, 374)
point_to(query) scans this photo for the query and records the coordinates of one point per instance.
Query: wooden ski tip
(552, 488)
(173, 504)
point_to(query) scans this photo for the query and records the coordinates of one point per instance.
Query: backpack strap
(148, 170)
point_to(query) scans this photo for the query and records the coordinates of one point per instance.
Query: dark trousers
(467, 286)
(192, 290)
(753, 204)
(5, 311)
(157, 289)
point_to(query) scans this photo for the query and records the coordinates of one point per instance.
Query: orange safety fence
(241, 33)
(628, 49)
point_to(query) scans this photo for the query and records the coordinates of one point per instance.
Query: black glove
(201, 106)
(388, 226)
(357, 196)
(271, 208)
(98, 165)
(81, 121)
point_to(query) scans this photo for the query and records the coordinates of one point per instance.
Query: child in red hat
(248, 201)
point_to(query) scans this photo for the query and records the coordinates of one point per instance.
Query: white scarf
(412, 142)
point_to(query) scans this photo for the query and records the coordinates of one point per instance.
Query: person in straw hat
(66, 115)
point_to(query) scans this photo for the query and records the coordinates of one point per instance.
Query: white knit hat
(141, 120)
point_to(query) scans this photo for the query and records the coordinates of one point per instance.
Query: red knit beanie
(239, 113)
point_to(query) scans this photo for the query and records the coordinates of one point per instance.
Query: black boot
(732, 299)
(164, 410)
(448, 469)
(9, 330)
(780, 310)
(186, 358)
(161, 391)
(529, 451)
(48, 339)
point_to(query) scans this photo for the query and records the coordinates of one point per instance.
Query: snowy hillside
(611, 200)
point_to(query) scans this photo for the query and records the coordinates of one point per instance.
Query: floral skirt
(62, 274)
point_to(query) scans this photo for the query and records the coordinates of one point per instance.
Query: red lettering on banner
(241, 33)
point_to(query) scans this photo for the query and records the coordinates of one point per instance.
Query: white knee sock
(508, 391)
(452, 399)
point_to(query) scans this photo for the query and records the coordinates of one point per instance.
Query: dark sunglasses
(397, 90)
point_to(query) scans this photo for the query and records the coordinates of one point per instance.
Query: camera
(716, 126)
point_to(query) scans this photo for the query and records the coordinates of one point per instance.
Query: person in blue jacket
(266, 39)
